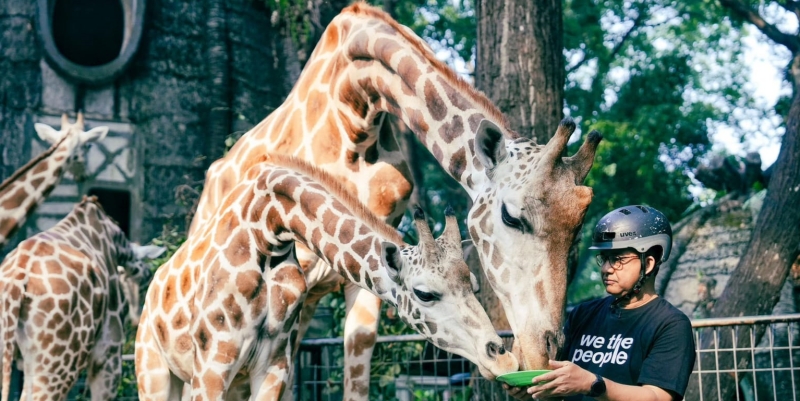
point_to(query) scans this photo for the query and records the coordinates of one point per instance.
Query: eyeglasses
(615, 261)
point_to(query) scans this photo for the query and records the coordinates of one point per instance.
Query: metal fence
(761, 354)
(749, 358)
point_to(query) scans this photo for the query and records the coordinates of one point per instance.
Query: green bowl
(521, 378)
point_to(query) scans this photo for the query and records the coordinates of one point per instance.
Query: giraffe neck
(21, 193)
(313, 208)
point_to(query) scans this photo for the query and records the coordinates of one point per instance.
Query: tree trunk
(219, 72)
(520, 63)
(754, 287)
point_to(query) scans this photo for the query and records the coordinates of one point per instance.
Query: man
(631, 345)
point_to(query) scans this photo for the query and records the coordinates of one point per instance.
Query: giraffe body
(21, 193)
(62, 304)
(226, 303)
(365, 66)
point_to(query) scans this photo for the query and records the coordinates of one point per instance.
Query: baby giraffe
(225, 306)
(61, 305)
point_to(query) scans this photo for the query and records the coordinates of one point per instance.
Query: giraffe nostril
(492, 349)
(551, 344)
(502, 350)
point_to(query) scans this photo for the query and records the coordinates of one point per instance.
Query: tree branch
(636, 24)
(790, 41)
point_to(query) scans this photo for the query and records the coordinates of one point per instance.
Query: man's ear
(390, 257)
(490, 145)
(650, 262)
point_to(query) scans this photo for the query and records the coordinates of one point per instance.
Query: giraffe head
(435, 296)
(77, 137)
(524, 220)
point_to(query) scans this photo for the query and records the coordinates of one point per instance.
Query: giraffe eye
(426, 296)
(510, 221)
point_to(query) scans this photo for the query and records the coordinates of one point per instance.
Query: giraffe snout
(553, 344)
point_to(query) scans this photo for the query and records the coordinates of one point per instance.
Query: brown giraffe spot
(227, 352)
(183, 343)
(361, 341)
(249, 284)
(7, 225)
(335, 66)
(330, 40)
(346, 231)
(456, 98)
(330, 220)
(41, 167)
(238, 252)
(292, 136)
(43, 249)
(349, 95)
(312, 69)
(452, 130)
(352, 265)
(359, 45)
(203, 337)
(328, 149)
(435, 104)
(169, 296)
(199, 251)
(258, 209)
(59, 286)
(497, 258)
(316, 236)
(228, 223)
(186, 281)
(37, 287)
(314, 108)
(437, 152)
(213, 384)
(217, 320)
(383, 202)
(418, 124)
(458, 163)
(407, 68)
(386, 48)
(234, 311)
(432, 327)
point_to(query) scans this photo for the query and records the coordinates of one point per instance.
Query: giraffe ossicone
(63, 308)
(222, 312)
(24, 190)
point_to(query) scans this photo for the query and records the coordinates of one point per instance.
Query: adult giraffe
(21, 193)
(528, 201)
(62, 306)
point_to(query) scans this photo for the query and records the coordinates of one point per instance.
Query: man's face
(620, 270)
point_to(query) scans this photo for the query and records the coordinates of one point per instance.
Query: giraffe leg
(360, 333)
(104, 376)
(154, 379)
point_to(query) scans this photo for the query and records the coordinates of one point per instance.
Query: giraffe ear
(490, 145)
(476, 287)
(390, 257)
(147, 251)
(94, 135)
(47, 133)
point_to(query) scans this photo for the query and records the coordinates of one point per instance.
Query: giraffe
(226, 303)
(62, 307)
(365, 66)
(21, 193)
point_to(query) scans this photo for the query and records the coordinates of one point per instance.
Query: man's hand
(518, 393)
(566, 379)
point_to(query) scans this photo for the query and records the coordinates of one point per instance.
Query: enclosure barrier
(766, 350)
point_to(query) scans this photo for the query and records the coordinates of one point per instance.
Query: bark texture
(755, 285)
(520, 62)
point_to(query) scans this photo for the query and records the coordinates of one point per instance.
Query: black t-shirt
(652, 344)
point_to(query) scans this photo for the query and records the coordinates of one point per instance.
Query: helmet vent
(608, 236)
(625, 211)
(642, 208)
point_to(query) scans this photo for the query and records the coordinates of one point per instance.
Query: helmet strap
(643, 275)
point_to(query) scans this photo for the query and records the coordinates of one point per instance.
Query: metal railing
(748, 359)
(761, 354)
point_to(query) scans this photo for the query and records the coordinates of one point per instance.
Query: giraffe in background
(528, 201)
(61, 305)
(227, 302)
(21, 193)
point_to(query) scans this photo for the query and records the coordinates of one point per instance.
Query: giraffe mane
(24, 169)
(335, 187)
(362, 8)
